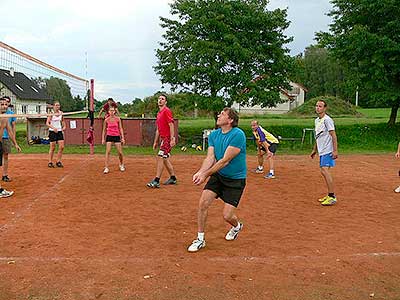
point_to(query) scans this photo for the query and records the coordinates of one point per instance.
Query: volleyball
(183, 148)
(194, 146)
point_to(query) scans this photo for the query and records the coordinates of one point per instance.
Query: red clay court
(75, 233)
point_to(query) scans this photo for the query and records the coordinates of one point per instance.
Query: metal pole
(357, 96)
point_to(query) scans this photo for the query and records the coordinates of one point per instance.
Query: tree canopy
(365, 37)
(217, 48)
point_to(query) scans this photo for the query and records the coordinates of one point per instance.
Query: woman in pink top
(115, 134)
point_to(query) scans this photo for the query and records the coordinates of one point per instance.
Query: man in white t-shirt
(326, 144)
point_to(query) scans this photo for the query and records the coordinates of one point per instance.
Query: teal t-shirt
(10, 120)
(236, 168)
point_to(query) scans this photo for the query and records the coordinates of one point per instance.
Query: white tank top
(56, 122)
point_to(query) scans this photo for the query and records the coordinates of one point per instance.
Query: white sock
(260, 167)
(200, 236)
(271, 172)
(238, 226)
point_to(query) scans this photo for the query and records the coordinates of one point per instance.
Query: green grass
(376, 113)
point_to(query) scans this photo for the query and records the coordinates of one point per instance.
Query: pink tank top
(113, 128)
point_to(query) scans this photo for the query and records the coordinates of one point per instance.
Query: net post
(91, 113)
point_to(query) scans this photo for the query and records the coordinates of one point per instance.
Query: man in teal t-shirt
(225, 164)
(6, 140)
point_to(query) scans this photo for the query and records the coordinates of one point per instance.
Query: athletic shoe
(5, 178)
(170, 181)
(5, 194)
(153, 184)
(196, 245)
(59, 164)
(323, 199)
(106, 170)
(269, 176)
(329, 201)
(50, 165)
(233, 233)
(122, 168)
(258, 170)
(397, 190)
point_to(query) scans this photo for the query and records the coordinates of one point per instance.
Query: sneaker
(170, 181)
(6, 178)
(397, 190)
(269, 176)
(106, 170)
(122, 168)
(258, 170)
(323, 199)
(196, 245)
(153, 184)
(50, 165)
(233, 233)
(329, 201)
(59, 164)
(5, 194)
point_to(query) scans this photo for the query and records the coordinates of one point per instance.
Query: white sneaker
(233, 233)
(4, 193)
(122, 168)
(397, 190)
(106, 171)
(197, 245)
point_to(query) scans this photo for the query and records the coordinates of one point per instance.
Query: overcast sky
(119, 37)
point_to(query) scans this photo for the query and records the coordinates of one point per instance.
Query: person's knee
(228, 214)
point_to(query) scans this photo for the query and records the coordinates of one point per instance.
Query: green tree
(217, 48)
(59, 90)
(365, 37)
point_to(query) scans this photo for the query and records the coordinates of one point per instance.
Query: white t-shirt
(56, 122)
(322, 136)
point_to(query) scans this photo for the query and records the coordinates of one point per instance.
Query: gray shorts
(6, 145)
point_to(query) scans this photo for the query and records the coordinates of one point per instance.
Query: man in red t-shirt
(110, 103)
(166, 133)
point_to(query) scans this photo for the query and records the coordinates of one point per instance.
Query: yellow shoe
(329, 201)
(323, 199)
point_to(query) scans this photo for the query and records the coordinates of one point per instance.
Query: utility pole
(357, 96)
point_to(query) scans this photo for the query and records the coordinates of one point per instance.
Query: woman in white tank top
(56, 126)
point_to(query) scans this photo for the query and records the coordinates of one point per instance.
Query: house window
(24, 109)
(20, 88)
(33, 88)
(38, 109)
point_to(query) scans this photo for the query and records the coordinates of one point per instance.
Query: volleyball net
(28, 82)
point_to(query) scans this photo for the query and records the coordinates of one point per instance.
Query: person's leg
(108, 150)
(260, 158)
(60, 150)
(169, 167)
(229, 215)
(51, 151)
(160, 167)
(5, 165)
(120, 154)
(205, 201)
(328, 179)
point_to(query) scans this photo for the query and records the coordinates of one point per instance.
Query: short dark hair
(6, 98)
(324, 102)
(110, 99)
(233, 115)
(164, 95)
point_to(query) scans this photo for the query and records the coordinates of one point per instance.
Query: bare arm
(100, 112)
(63, 125)
(103, 134)
(334, 142)
(12, 136)
(172, 132)
(229, 154)
(121, 132)
(398, 151)
(156, 139)
(314, 151)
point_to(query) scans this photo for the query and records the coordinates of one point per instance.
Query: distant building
(26, 96)
(293, 98)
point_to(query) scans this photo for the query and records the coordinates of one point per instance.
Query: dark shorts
(165, 147)
(1, 154)
(272, 148)
(55, 136)
(113, 138)
(6, 145)
(229, 190)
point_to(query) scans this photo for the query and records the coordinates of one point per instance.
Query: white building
(26, 96)
(293, 98)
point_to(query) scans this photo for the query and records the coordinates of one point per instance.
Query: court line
(26, 209)
(233, 259)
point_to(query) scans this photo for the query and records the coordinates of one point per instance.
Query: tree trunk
(216, 113)
(393, 113)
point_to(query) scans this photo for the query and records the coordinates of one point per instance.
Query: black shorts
(229, 190)
(272, 148)
(55, 136)
(113, 138)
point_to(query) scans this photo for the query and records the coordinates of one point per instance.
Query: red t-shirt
(164, 117)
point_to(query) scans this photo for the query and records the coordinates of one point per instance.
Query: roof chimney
(12, 72)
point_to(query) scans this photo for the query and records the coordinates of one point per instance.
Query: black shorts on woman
(55, 136)
(113, 138)
(228, 189)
